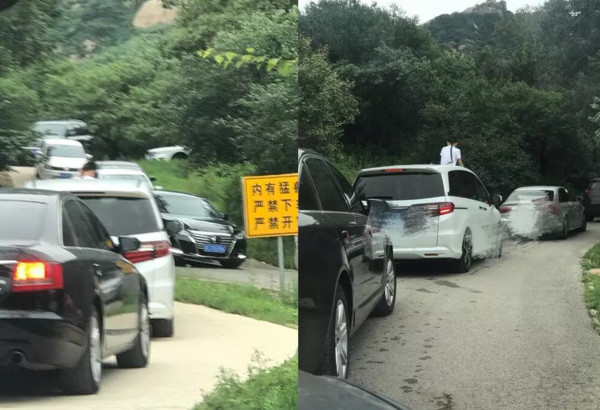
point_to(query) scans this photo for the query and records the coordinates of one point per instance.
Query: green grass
(265, 389)
(240, 299)
(591, 260)
(222, 186)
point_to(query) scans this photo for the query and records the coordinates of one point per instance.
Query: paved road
(512, 334)
(180, 368)
(251, 272)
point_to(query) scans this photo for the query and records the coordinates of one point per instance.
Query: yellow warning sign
(270, 205)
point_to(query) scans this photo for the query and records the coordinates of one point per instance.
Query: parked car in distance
(332, 393)
(127, 175)
(118, 165)
(346, 268)
(168, 153)
(536, 211)
(127, 210)
(199, 231)
(591, 199)
(60, 158)
(61, 279)
(436, 212)
(76, 130)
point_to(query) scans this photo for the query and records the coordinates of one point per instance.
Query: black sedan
(346, 268)
(68, 298)
(199, 231)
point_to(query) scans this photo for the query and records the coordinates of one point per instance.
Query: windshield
(531, 196)
(51, 128)
(400, 187)
(66, 151)
(21, 221)
(186, 205)
(124, 216)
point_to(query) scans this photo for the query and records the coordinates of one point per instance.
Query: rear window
(124, 216)
(400, 186)
(531, 196)
(21, 221)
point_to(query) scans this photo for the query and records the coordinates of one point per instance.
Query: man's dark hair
(452, 140)
(90, 166)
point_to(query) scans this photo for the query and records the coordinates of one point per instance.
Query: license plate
(64, 175)
(215, 248)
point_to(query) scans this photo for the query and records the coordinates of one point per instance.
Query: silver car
(535, 211)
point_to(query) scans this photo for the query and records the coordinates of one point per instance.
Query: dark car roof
(325, 393)
(307, 151)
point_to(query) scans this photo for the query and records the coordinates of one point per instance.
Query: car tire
(163, 327)
(387, 303)
(179, 156)
(85, 377)
(564, 233)
(180, 262)
(138, 355)
(231, 263)
(336, 355)
(463, 265)
(500, 247)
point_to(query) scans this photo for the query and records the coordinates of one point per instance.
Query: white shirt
(446, 158)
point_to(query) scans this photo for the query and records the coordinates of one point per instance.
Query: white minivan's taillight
(149, 251)
(437, 208)
(31, 276)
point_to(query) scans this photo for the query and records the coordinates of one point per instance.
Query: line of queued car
(87, 266)
(352, 235)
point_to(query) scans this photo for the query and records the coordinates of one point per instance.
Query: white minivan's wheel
(139, 353)
(85, 377)
(463, 265)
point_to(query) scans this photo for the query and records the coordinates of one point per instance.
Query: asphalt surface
(180, 370)
(513, 333)
(252, 272)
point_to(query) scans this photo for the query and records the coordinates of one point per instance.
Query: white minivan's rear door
(416, 198)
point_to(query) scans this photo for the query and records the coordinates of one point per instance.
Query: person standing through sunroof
(450, 154)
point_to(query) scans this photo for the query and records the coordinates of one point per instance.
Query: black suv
(346, 270)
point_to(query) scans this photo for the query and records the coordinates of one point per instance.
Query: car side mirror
(89, 157)
(174, 227)
(223, 216)
(376, 206)
(128, 244)
(497, 200)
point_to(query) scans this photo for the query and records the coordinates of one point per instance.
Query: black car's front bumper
(191, 248)
(39, 340)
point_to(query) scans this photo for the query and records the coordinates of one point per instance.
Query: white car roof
(121, 171)
(61, 141)
(94, 187)
(425, 167)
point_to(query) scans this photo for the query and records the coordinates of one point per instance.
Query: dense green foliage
(142, 88)
(519, 99)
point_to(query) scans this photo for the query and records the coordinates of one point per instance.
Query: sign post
(271, 210)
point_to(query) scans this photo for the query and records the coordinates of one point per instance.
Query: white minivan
(60, 158)
(436, 212)
(126, 209)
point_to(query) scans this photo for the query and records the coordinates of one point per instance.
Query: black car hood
(329, 393)
(205, 225)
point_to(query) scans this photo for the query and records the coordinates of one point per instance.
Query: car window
(400, 186)
(68, 235)
(462, 184)
(306, 196)
(482, 193)
(351, 197)
(563, 196)
(65, 151)
(186, 205)
(83, 229)
(328, 192)
(21, 221)
(123, 216)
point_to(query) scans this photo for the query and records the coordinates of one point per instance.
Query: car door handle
(97, 269)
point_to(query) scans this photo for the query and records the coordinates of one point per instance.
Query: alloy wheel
(145, 329)
(341, 340)
(390, 283)
(95, 350)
